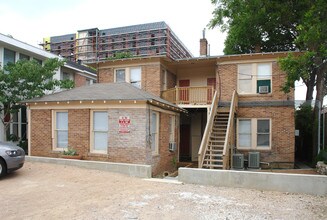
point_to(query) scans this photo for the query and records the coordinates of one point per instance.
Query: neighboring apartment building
(12, 50)
(235, 109)
(92, 45)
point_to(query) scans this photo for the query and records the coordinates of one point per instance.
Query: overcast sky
(31, 20)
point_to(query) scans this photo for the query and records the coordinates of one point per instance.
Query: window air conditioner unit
(172, 146)
(254, 160)
(238, 161)
(263, 89)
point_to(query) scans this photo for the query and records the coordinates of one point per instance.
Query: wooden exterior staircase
(213, 158)
(218, 139)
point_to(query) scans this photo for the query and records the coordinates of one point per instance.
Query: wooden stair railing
(208, 130)
(227, 152)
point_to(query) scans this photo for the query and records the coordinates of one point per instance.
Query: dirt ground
(49, 191)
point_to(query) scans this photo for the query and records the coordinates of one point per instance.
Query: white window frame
(128, 74)
(254, 77)
(55, 130)
(156, 133)
(92, 131)
(172, 124)
(254, 134)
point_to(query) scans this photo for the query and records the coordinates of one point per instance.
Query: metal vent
(263, 89)
(254, 160)
(172, 146)
(238, 161)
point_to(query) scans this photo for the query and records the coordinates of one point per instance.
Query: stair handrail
(230, 126)
(208, 129)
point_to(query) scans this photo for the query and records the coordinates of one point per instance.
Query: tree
(311, 65)
(26, 80)
(268, 26)
(258, 25)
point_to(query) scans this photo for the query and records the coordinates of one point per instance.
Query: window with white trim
(254, 78)
(172, 129)
(154, 129)
(9, 56)
(60, 120)
(131, 75)
(254, 133)
(99, 132)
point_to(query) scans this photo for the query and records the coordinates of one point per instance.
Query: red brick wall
(41, 133)
(80, 80)
(106, 75)
(227, 73)
(283, 128)
(164, 160)
(151, 80)
(79, 130)
(132, 147)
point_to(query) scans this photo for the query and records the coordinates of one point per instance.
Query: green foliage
(70, 151)
(27, 79)
(297, 67)
(303, 122)
(322, 156)
(258, 25)
(23, 144)
(121, 55)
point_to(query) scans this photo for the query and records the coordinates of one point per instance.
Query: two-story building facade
(12, 50)
(221, 110)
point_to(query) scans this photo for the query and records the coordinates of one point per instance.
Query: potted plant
(71, 153)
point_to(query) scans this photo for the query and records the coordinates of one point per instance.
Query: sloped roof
(103, 92)
(82, 68)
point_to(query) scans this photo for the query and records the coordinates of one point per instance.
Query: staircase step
(213, 165)
(213, 160)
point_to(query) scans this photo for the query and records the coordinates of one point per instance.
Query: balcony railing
(199, 95)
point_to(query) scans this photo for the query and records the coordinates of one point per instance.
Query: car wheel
(3, 167)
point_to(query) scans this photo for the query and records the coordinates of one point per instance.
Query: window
(172, 129)
(9, 56)
(253, 76)
(136, 77)
(120, 75)
(254, 134)
(164, 80)
(155, 132)
(244, 133)
(263, 133)
(99, 135)
(60, 130)
(130, 75)
(65, 76)
(23, 57)
(38, 60)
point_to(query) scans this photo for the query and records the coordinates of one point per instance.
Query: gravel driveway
(50, 191)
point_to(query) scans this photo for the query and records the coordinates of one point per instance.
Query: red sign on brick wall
(124, 123)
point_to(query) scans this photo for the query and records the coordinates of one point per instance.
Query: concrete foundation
(135, 170)
(294, 183)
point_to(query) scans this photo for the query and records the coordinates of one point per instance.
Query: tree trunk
(320, 87)
(310, 86)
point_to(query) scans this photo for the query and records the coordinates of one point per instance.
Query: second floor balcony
(198, 95)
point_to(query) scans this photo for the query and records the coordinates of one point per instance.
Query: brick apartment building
(235, 110)
(91, 45)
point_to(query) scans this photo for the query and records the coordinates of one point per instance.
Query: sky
(31, 20)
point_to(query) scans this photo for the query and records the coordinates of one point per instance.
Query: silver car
(11, 158)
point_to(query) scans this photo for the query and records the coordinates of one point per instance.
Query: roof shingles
(102, 92)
